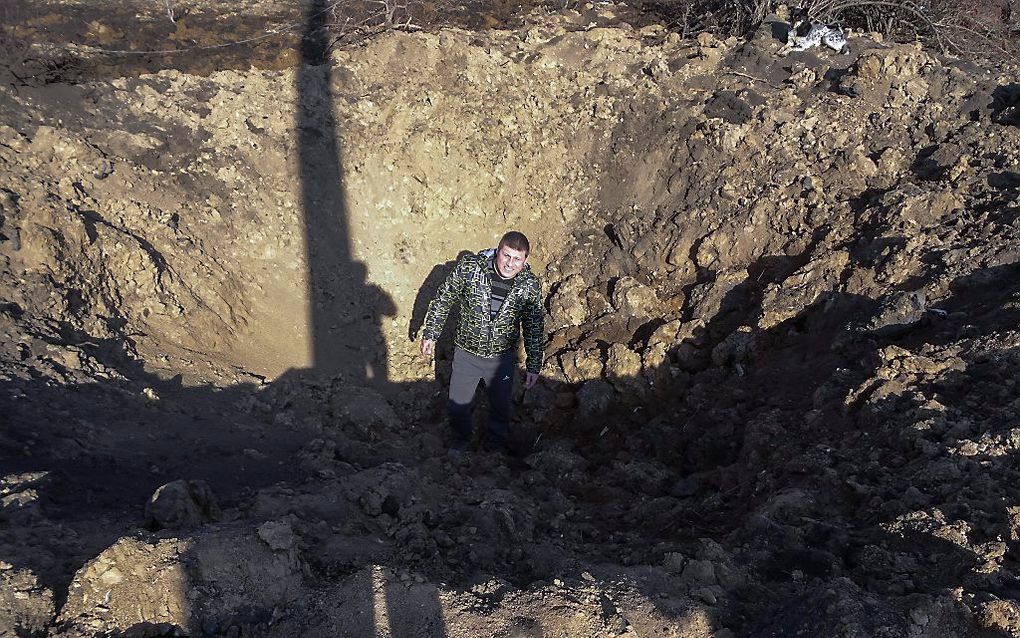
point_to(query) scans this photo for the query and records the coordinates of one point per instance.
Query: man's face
(509, 262)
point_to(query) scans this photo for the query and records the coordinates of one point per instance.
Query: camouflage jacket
(468, 284)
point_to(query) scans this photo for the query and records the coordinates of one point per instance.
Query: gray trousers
(498, 375)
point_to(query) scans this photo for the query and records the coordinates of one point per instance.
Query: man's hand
(530, 379)
(428, 347)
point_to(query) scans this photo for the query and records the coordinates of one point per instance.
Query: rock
(372, 500)
(279, 535)
(708, 595)
(1013, 514)
(246, 571)
(891, 162)
(181, 505)
(674, 562)
(738, 347)
(690, 358)
(320, 454)
(943, 159)
(914, 498)
(666, 333)
(1000, 615)
(594, 399)
(26, 606)
(364, 410)
(623, 368)
(131, 582)
(898, 314)
(801, 289)
(698, 574)
(634, 298)
(19, 497)
(655, 364)
(567, 305)
(581, 365)
(876, 64)
(215, 577)
(707, 298)
(707, 39)
(992, 551)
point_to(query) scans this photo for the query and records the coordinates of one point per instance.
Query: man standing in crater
(498, 296)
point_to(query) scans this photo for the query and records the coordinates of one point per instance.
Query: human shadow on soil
(427, 292)
(443, 358)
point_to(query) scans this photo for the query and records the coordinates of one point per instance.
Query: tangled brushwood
(968, 28)
(988, 28)
(354, 21)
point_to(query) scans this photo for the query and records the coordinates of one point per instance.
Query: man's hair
(515, 240)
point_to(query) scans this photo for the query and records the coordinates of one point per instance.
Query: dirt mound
(780, 372)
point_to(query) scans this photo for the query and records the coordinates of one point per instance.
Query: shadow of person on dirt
(443, 358)
(427, 292)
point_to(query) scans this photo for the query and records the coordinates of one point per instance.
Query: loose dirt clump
(780, 379)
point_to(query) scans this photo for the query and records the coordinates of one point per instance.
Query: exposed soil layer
(780, 387)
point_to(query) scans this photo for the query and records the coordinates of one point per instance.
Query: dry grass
(353, 21)
(13, 50)
(24, 62)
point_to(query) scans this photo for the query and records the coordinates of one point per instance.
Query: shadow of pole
(343, 310)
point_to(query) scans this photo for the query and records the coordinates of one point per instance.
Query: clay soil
(781, 382)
